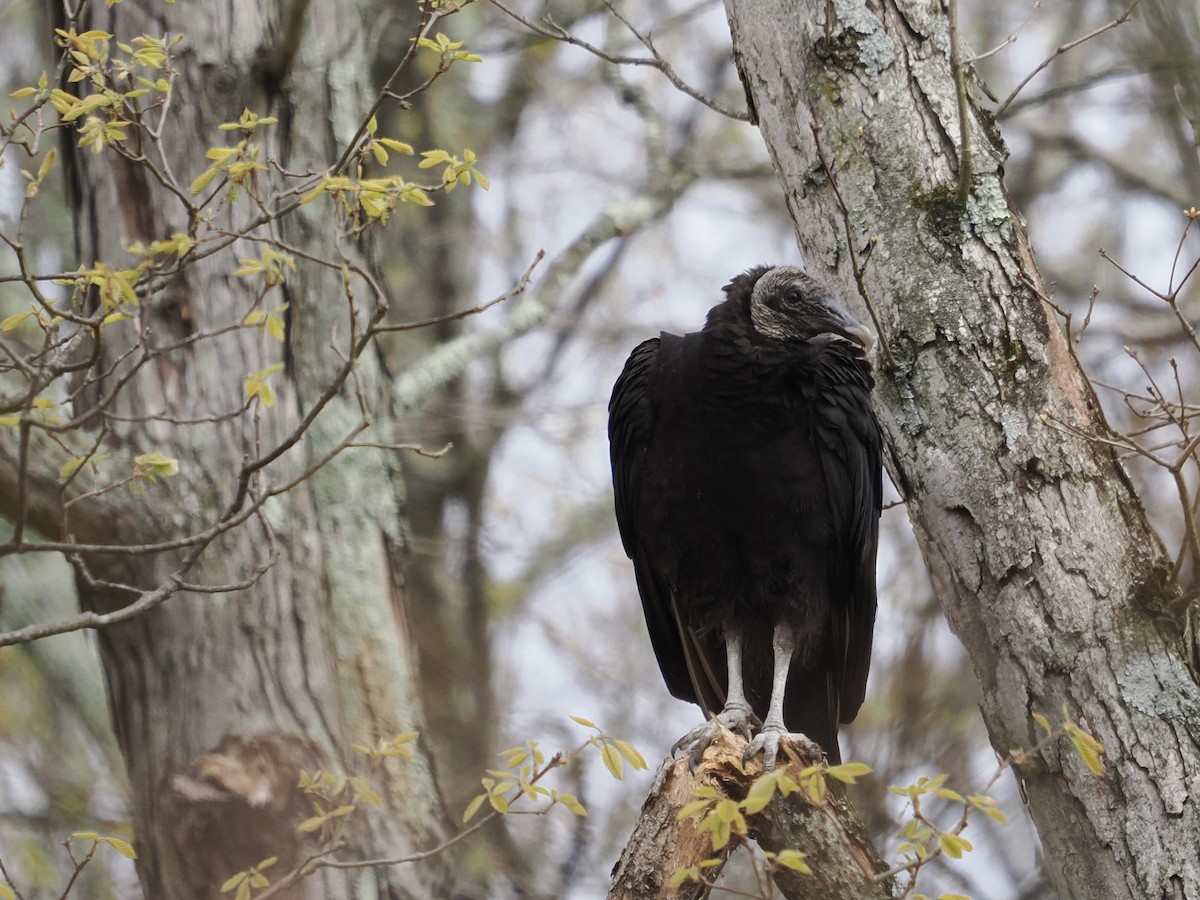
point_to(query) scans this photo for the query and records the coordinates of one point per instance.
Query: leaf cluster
(526, 765)
(337, 798)
(247, 881)
(923, 839)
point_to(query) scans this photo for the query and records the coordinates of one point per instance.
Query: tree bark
(1039, 549)
(220, 699)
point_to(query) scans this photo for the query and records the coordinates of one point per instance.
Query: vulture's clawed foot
(767, 742)
(738, 718)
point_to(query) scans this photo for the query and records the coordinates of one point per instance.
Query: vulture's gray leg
(736, 715)
(783, 644)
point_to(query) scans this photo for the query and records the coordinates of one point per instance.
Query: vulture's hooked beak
(862, 336)
(837, 321)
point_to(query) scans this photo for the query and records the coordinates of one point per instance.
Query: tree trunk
(221, 698)
(1039, 549)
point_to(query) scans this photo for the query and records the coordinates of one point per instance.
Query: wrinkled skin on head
(790, 305)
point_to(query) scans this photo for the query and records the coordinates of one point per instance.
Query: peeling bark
(1039, 549)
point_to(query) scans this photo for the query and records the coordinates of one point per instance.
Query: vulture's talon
(765, 742)
(770, 741)
(739, 719)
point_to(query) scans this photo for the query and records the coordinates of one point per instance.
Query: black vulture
(748, 483)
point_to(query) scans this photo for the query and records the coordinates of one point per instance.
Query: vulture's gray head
(787, 304)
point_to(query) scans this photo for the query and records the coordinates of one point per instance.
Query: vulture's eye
(793, 297)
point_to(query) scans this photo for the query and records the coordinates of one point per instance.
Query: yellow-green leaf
(71, 465)
(794, 860)
(1088, 748)
(163, 466)
(571, 803)
(204, 180)
(948, 794)
(233, 881)
(1043, 722)
(815, 788)
(397, 146)
(514, 756)
(6, 893)
(760, 793)
(14, 320)
(86, 105)
(586, 723)
(848, 772)
(631, 755)
(993, 813)
(612, 761)
(718, 827)
(256, 385)
(954, 845)
(313, 194)
(122, 847)
(311, 824)
(473, 807)
(21, 94)
(47, 164)
(727, 810)
(10, 420)
(679, 876)
(692, 809)
(363, 792)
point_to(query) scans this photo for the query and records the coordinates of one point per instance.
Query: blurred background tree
(519, 600)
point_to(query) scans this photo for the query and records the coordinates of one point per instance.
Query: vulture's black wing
(852, 467)
(630, 425)
(632, 414)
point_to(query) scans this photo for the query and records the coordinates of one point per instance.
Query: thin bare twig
(9, 882)
(964, 122)
(1012, 38)
(548, 28)
(1064, 48)
(410, 448)
(519, 288)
